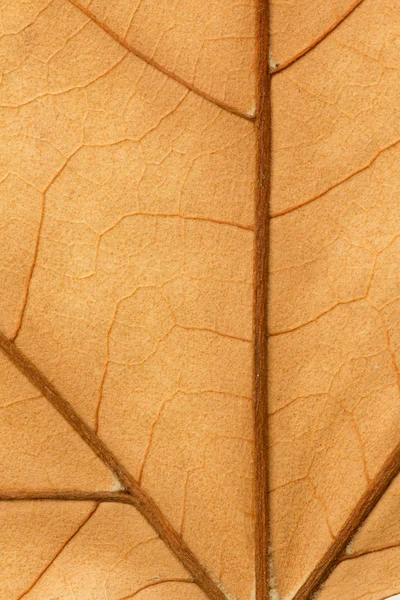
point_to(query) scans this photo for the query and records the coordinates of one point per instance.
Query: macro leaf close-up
(199, 300)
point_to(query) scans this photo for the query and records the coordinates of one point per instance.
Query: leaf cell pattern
(127, 214)
(334, 272)
(128, 178)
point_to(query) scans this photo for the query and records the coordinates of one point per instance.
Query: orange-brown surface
(130, 141)
(127, 214)
(334, 302)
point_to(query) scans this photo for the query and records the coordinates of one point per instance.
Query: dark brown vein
(47, 567)
(150, 61)
(375, 491)
(317, 41)
(261, 267)
(138, 497)
(65, 496)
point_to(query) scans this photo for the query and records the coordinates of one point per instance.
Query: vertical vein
(261, 304)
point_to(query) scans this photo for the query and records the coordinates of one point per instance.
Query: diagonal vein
(336, 184)
(150, 61)
(318, 40)
(134, 494)
(368, 551)
(378, 486)
(59, 551)
(153, 584)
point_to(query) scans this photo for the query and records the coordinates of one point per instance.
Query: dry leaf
(133, 183)
(334, 300)
(126, 238)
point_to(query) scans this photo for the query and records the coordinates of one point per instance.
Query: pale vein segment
(371, 577)
(334, 350)
(381, 530)
(371, 563)
(138, 297)
(210, 45)
(328, 128)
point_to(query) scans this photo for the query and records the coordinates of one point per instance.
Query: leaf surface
(127, 222)
(334, 380)
(133, 195)
(299, 26)
(210, 45)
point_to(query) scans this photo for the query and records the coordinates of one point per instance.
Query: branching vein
(134, 494)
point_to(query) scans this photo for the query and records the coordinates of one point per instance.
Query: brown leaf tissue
(199, 299)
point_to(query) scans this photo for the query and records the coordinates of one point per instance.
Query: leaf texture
(135, 182)
(209, 45)
(297, 27)
(127, 215)
(333, 366)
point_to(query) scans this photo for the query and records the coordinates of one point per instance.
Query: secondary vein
(150, 61)
(134, 494)
(377, 488)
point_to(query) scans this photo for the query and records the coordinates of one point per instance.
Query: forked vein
(134, 494)
(59, 551)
